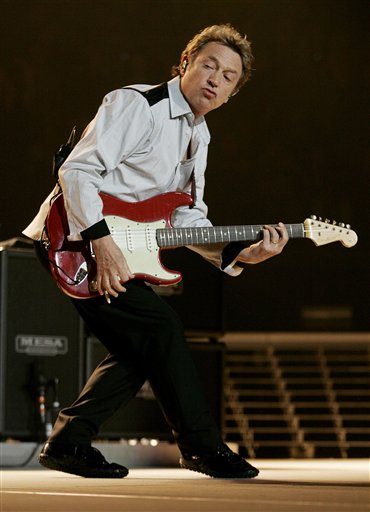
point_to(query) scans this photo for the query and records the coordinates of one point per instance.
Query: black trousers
(145, 340)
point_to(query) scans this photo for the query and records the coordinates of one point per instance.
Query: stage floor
(282, 486)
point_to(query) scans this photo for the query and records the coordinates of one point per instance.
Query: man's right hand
(112, 268)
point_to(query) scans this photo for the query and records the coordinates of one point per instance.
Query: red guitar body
(133, 227)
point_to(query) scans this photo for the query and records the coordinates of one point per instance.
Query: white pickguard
(138, 243)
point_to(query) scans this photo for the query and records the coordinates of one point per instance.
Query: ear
(183, 65)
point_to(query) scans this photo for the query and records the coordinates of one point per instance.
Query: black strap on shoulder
(153, 95)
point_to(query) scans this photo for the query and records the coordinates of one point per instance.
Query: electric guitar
(143, 228)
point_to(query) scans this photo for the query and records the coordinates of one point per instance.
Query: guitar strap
(193, 191)
(62, 154)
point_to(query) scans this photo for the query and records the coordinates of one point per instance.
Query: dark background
(292, 143)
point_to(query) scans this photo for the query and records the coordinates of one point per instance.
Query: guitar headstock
(325, 232)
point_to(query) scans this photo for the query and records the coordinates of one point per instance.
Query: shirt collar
(180, 107)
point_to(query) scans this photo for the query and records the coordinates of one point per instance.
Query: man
(146, 140)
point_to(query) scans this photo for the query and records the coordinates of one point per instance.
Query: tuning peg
(320, 219)
(313, 217)
(348, 226)
(327, 221)
(334, 222)
(342, 225)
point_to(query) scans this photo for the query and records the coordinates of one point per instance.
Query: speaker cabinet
(39, 347)
(142, 417)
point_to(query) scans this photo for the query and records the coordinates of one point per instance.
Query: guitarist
(143, 141)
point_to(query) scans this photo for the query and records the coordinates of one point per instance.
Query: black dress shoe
(79, 460)
(221, 463)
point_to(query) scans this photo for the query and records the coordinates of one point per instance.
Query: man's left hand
(273, 242)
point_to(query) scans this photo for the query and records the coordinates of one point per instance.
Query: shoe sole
(52, 463)
(252, 473)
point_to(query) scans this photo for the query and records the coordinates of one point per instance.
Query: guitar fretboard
(172, 237)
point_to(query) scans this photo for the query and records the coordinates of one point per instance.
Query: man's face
(210, 77)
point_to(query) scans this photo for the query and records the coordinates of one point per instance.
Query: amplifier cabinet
(40, 347)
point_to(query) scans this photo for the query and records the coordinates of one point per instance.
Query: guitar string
(122, 233)
(199, 230)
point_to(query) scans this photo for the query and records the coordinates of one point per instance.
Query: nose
(213, 79)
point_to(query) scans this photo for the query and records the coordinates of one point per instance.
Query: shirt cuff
(96, 231)
(233, 269)
(229, 255)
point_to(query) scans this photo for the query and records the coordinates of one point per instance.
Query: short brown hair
(228, 36)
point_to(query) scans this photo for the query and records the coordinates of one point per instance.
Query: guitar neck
(176, 237)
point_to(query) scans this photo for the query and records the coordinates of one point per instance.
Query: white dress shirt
(143, 141)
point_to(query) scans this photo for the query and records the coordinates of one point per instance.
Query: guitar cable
(74, 281)
(41, 248)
